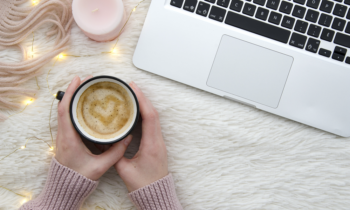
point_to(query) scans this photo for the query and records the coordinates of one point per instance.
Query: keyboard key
(339, 10)
(236, 5)
(342, 39)
(313, 3)
(177, 3)
(288, 22)
(325, 20)
(286, 7)
(217, 13)
(347, 29)
(324, 52)
(297, 40)
(275, 18)
(273, 4)
(338, 57)
(299, 11)
(348, 15)
(249, 9)
(338, 24)
(190, 5)
(262, 13)
(312, 15)
(260, 2)
(312, 45)
(340, 50)
(301, 26)
(326, 6)
(223, 3)
(211, 1)
(339, 0)
(258, 27)
(347, 60)
(300, 1)
(347, 2)
(203, 9)
(314, 30)
(327, 35)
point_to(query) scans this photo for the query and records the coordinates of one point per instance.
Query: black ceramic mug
(128, 127)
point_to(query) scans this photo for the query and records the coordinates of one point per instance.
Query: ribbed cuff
(158, 195)
(64, 189)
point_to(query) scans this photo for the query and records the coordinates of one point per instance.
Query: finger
(69, 93)
(150, 120)
(64, 121)
(102, 147)
(113, 154)
(146, 107)
(122, 164)
(88, 77)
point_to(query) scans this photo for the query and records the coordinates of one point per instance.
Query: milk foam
(105, 110)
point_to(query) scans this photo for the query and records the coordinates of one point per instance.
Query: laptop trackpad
(250, 71)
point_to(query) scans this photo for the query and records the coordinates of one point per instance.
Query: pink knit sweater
(67, 189)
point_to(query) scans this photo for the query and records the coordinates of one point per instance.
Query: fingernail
(75, 78)
(134, 85)
(127, 140)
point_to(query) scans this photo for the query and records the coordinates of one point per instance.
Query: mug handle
(59, 95)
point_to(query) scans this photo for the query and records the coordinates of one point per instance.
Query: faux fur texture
(223, 155)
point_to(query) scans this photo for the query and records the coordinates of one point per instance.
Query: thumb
(121, 164)
(115, 152)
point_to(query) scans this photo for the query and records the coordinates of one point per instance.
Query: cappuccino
(105, 110)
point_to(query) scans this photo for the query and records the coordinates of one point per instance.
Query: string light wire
(47, 76)
(13, 192)
(60, 56)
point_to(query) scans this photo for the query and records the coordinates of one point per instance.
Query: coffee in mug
(104, 109)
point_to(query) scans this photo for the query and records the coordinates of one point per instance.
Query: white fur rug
(223, 155)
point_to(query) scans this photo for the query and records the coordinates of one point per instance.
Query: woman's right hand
(150, 163)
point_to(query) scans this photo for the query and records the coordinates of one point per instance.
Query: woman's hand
(70, 149)
(150, 162)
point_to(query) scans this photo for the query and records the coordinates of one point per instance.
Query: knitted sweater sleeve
(64, 189)
(67, 189)
(158, 195)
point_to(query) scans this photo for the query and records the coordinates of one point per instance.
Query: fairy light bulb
(35, 2)
(30, 54)
(24, 201)
(60, 56)
(114, 51)
(29, 101)
(23, 147)
(51, 148)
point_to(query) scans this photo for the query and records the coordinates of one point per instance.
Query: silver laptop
(290, 58)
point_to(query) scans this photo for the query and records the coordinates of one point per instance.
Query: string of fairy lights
(26, 198)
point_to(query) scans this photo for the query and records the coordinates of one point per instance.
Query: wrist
(145, 180)
(160, 194)
(64, 189)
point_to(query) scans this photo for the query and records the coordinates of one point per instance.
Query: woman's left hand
(70, 149)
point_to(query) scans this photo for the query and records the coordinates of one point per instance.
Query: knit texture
(158, 195)
(64, 189)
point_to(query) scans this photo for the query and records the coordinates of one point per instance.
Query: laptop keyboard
(303, 24)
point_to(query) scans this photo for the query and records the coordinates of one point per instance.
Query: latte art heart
(104, 110)
(110, 106)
